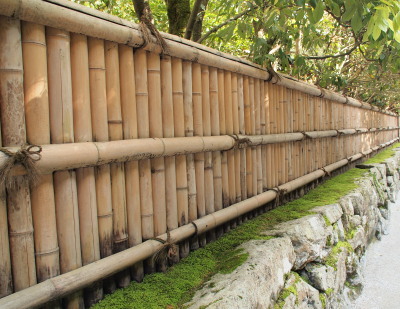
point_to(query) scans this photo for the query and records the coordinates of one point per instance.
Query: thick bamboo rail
(87, 154)
(74, 18)
(65, 284)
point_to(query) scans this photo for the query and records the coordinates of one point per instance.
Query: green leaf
(350, 10)
(356, 22)
(396, 36)
(376, 33)
(319, 11)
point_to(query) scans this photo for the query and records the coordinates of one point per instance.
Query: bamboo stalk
(257, 110)
(38, 132)
(61, 129)
(78, 279)
(189, 130)
(243, 183)
(253, 132)
(130, 131)
(198, 131)
(169, 131)
(208, 162)
(181, 169)
(86, 186)
(235, 119)
(99, 121)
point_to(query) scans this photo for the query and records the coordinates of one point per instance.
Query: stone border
(315, 261)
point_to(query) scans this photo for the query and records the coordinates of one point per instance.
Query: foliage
(382, 156)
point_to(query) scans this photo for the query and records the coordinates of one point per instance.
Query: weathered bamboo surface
(135, 143)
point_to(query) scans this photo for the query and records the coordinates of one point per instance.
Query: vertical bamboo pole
(262, 124)
(243, 185)
(189, 130)
(10, 73)
(14, 134)
(117, 169)
(98, 106)
(181, 170)
(257, 112)
(222, 126)
(253, 132)
(198, 131)
(216, 155)
(156, 130)
(86, 186)
(229, 130)
(268, 120)
(38, 133)
(169, 131)
(235, 117)
(62, 131)
(247, 121)
(130, 131)
(208, 166)
(142, 105)
(290, 130)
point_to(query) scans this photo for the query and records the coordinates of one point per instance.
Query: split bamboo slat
(62, 131)
(137, 144)
(189, 132)
(130, 131)
(38, 133)
(86, 186)
(169, 131)
(182, 190)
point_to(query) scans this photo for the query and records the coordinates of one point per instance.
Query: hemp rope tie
(279, 195)
(148, 28)
(167, 252)
(240, 143)
(323, 92)
(326, 173)
(272, 74)
(305, 135)
(26, 156)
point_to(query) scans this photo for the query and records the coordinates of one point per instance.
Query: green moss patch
(177, 286)
(382, 156)
(332, 258)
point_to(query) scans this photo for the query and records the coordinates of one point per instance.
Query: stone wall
(314, 261)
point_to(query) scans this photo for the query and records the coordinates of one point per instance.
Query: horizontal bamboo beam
(78, 155)
(80, 278)
(79, 19)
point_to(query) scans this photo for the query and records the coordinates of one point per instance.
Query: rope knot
(26, 156)
(279, 195)
(167, 252)
(305, 135)
(148, 29)
(240, 142)
(326, 173)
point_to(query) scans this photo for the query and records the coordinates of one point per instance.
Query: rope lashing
(349, 160)
(347, 100)
(279, 195)
(323, 92)
(167, 252)
(339, 133)
(240, 142)
(26, 156)
(305, 135)
(326, 173)
(149, 29)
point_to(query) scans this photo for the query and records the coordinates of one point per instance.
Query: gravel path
(381, 269)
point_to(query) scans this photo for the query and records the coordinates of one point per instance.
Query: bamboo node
(168, 250)
(26, 156)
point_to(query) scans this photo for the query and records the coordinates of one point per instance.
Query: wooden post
(62, 131)
(198, 131)
(208, 166)
(87, 203)
(169, 131)
(189, 130)
(181, 170)
(98, 106)
(38, 133)
(130, 131)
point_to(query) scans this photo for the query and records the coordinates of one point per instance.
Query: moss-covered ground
(176, 286)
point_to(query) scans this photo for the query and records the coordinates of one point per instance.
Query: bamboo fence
(135, 144)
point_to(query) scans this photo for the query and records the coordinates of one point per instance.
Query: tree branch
(216, 28)
(333, 56)
(192, 19)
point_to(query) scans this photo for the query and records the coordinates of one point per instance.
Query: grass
(176, 286)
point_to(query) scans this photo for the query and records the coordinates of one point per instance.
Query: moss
(382, 156)
(177, 285)
(329, 291)
(327, 222)
(350, 234)
(322, 298)
(331, 259)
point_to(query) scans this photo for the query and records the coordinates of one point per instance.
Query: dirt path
(381, 269)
